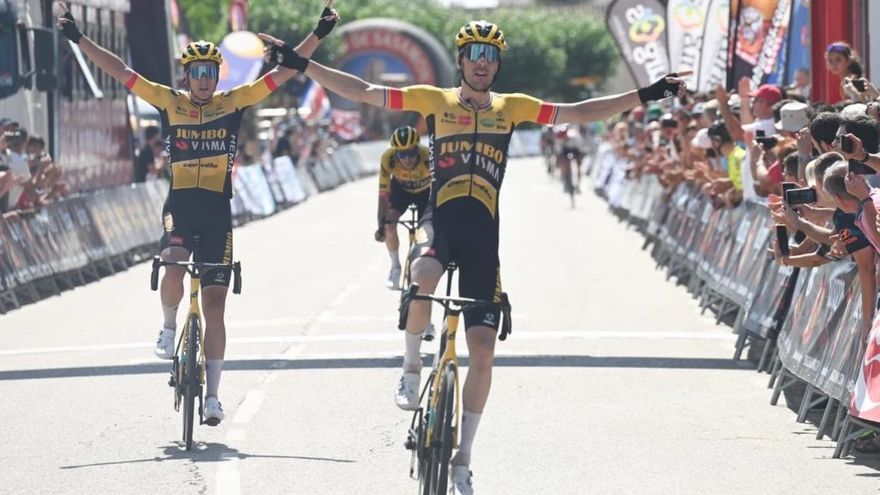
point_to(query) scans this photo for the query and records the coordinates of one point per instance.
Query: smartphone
(806, 195)
(768, 143)
(788, 186)
(847, 144)
(759, 133)
(782, 240)
(860, 168)
(859, 84)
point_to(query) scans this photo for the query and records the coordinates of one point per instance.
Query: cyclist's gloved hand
(329, 18)
(68, 27)
(285, 56)
(664, 87)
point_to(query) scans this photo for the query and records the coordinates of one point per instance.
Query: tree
(546, 48)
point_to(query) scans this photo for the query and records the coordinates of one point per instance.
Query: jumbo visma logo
(647, 28)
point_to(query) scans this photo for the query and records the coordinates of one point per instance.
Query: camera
(768, 143)
(806, 195)
(859, 84)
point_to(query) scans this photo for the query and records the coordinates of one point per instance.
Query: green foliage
(546, 47)
(208, 19)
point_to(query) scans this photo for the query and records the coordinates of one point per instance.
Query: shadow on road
(550, 361)
(205, 452)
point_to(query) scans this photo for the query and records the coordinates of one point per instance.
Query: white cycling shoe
(213, 411)
(393, 282)
(430, 333)
(165, 344)
(462, 480)
(407, 395)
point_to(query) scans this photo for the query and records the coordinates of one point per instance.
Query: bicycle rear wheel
(191, 380)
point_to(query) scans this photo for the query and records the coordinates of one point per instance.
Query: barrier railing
(83, 238)
(805, 322)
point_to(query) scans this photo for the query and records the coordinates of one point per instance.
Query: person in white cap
(793, 116)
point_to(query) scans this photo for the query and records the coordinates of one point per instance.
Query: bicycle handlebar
(192, 266)
(462, 303)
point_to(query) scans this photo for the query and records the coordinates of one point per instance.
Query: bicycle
(433, 432)
(188, 375)
(564, 162)
(412, 226)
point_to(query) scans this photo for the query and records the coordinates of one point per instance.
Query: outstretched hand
(67, 24)
(670, 85)
(328, 20)
(278, 52)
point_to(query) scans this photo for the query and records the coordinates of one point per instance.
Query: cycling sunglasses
(197, 72)
(403, 155)
(475, 51)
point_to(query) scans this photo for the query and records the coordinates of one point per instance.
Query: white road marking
(392, 336)
(249, 406)
(228, 475)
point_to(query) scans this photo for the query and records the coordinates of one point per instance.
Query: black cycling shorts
(400, 198)
(210, 218)
(462, 231)
(573, 153)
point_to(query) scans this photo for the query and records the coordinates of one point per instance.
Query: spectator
(16, 138)
(145, 161)
(802, 83)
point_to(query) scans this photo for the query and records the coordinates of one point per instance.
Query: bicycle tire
(447, 429)
(191, 380)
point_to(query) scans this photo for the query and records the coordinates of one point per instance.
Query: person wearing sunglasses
(469, 130)
(404, 179)
(200, 136)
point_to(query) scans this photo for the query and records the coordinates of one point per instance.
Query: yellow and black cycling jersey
(201, 140)
(468, 152)
(411, 180)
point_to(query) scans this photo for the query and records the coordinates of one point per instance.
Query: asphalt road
(611, 383)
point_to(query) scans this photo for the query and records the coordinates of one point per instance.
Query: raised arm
(107, 61)
(606, 107)
(306, 48)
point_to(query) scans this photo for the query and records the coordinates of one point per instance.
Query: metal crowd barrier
(803, 323)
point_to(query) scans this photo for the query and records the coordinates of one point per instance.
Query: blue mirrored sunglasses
(408, 154)
(203, 70)
(475, 51)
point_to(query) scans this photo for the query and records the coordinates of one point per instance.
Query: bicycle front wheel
(443, 453)
(191, 380)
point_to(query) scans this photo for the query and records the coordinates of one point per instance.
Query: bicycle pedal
(409, 443)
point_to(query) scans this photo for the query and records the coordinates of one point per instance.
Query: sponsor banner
(685, 24)
(713, 52)
(797, 54)
(639, 28)
(865, 401)
(749, 31)
(767, 69)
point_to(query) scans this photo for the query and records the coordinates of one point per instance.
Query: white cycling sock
(395, 258)
(412, 360)
(469, 422)
(213, 369)
(170, 314)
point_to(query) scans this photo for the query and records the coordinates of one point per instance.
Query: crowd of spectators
(813, 165)
(29, 177)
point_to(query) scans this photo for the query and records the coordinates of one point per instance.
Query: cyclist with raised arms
(404, 179)
(201, 127)
(470, 129)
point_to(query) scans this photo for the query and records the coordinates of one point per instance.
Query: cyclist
(469, 130)
(404, 179)
(200, 127)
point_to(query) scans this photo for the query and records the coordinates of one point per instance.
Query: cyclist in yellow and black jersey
(200, 127)
(470, 129)
(404, 179)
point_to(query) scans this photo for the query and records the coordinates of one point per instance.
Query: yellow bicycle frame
(195, 308)
(449, 355)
